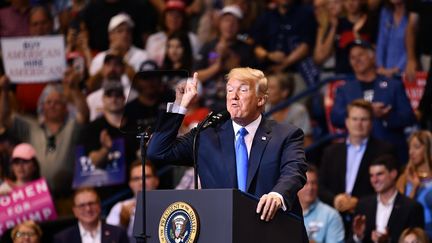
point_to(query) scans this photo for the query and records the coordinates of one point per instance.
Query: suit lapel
(226, 142)
(105, 234)
(395, 213)
(260, 141)
(342, 167)
(76, 236)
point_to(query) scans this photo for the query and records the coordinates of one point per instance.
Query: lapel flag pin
(263, 138)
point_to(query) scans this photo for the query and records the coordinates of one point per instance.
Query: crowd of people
(374, 185)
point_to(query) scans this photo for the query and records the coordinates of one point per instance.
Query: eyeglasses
(22, 234)
(51, 143)
(84, 205)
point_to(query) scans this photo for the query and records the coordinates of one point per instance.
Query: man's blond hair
(250, 74)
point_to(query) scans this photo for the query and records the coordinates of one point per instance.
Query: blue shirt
(391, 51)
(424, 197)
(354, 156)
(323, 223)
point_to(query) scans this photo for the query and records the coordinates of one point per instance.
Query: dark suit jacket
(333, 170)
(110, 234)
(276, 161)
(406, 213)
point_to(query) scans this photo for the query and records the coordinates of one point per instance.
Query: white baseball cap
(233, 10)
(118, 20)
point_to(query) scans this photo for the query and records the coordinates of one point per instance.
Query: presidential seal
(179, 224)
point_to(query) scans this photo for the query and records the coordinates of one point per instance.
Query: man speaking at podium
(247, 152)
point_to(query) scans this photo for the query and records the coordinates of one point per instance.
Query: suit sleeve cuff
(174, 108)
(284, 208)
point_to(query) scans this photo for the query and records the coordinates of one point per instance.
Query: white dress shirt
(90, 236)
(383, 213)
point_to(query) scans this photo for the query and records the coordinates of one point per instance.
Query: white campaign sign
(34, 59)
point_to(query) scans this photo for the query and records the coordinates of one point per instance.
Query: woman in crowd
(413, 235)
(391, 54)
(26, 232)
(174, 19)
(24, 167)
(178, 55)
(416, 180)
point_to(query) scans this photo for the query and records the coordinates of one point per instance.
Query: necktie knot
(242, 132)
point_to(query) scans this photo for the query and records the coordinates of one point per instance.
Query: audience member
(285, 35)
(101, 133)
(41, 23)
(120, 29)
(221, 55)
(143, 110)
(323, 223)
(178, 55)
(26, 232)
(416, 179)
(123, 213)
(113, 70)
(14, 19)
(97, 15)
(382, 217)
(414, 235)
(391, 51)
(281, 87)
(24, 167)
(418, 37)
(344, 176)
(392, 111)
(174, 19)
(55, 134)
(90, 228)
(328, 17)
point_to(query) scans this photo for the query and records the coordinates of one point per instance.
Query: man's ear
(262, 100)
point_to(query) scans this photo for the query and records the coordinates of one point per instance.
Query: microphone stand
(195, 146)
(144, 137)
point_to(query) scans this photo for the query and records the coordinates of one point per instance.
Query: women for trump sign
(31, 201)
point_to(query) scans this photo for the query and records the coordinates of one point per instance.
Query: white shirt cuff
(284, 208)
(174, 108)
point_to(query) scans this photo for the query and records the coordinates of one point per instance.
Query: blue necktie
(241, 159)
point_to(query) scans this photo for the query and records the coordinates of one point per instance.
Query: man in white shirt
(90, 229)
(382, 217)
(120, 30)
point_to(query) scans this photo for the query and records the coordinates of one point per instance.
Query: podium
(224, 215)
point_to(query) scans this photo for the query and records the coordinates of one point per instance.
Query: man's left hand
(268, 206)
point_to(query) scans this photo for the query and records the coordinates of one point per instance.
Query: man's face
(275, 93)
(113, 101)
(86, 207)
(135, 181)
(151, 180)
(121, 36)
(173, 20)
(362, 60)
(228, 26)
(54, 107)
(39, 24)
(309, 193)
(243, 104)
(358, 123)
(112, 69)
(381, 179)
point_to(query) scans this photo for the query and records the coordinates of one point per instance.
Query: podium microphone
(211, 120)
